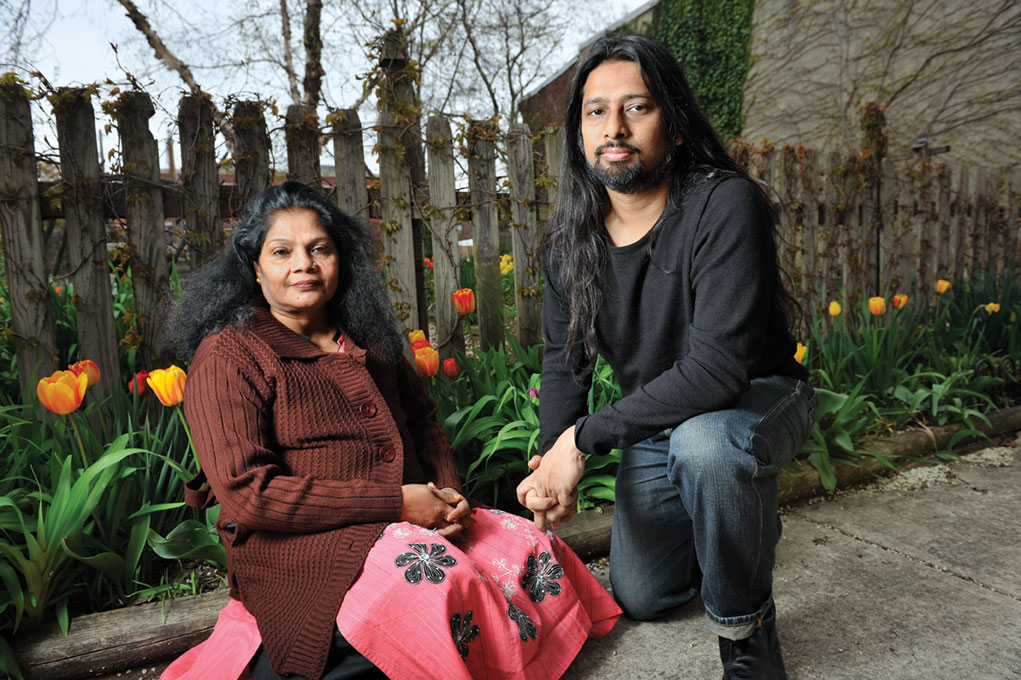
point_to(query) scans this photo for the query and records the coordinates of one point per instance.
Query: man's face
(623, 130)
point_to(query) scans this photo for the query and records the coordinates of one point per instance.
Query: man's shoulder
(705, 182)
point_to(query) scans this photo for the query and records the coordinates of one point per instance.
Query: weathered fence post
(524, 234)
(928, 238)
(199, 178)
(251, 153)
(809, 192)
(945, 234)
(960, 236)
(21, 228)
(86, 235)
(302, 135)
(554, 158)
(1012, 221)
(826, 240)
(148, 256)
(443, 225)
(349, 160)
(485, 231)
(395, 189)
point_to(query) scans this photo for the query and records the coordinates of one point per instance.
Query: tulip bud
(450, 368)
(835, 308)
(427, 360)
(89, 368)
(942, 286)
(799, 353)
(877, 305)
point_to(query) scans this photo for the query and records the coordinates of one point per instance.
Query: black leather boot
(756, 657)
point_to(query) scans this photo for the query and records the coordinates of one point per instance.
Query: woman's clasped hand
(444, 510)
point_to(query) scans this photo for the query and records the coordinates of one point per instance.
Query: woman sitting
(341, 506)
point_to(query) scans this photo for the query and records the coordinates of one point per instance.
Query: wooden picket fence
(841, 237)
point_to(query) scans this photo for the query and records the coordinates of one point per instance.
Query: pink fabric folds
(504, 602)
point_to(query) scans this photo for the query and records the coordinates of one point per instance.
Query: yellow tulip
(427, 360)
(416, 335)
(899, 300)
(799, 354)
(168, 385)
(835, 308)
(992, 307)
(877, 305)
(942, 286)
(63, 391)
(89, 368)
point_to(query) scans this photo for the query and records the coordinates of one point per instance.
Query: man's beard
(630, 179)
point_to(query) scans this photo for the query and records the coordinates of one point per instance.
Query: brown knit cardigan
(306, 453)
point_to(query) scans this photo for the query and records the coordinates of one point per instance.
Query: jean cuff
(736, 627)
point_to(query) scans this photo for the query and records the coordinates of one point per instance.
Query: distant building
(948, 72)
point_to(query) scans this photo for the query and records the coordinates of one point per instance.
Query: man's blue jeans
(699, 503)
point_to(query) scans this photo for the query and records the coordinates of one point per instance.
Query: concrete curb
(153, 634)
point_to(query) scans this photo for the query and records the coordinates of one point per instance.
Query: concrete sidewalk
(881, 584)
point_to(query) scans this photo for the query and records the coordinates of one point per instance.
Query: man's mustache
(616, 145)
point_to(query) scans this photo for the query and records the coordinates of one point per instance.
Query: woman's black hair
(575, 242)
(225, 291)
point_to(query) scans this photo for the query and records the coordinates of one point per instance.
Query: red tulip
(450, 368)
(464, 300)
(139, 383)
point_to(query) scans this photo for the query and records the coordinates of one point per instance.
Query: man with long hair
(661, 257)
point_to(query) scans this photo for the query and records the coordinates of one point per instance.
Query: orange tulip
(59, 290)
(899, 300)
(168, 385)
(464, 300)
(63, 391)
(942, 286)
(992, 307)
(877, 305)
(450, 368)
(799, 354)
(416, 335)
(428, 263)
(138, 383)
(835, 309)
(89, 368)
(428, 361)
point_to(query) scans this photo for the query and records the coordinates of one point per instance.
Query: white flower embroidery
(506, 576)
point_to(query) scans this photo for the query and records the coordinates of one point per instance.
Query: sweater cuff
(591, 437)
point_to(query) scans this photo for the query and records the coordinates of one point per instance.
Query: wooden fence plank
(959, 237)
(251, 153)
(349, 160)
(302, 134)
(945, 239)
(149, 259)
(485, 232)
(444, 230)
(28, 289)
(1012, 221)
(86, 237)
(928, 234)
(199, 178)
(524, 235)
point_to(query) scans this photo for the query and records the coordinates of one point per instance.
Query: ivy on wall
(711, 40)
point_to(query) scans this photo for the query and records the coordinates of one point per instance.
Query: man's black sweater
(685, 319)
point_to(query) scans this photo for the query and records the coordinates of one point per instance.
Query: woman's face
(298, 267)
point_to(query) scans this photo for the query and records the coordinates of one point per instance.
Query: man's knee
(639, 603)
(703, 448)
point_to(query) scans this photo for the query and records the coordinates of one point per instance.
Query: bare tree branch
(292, 77)
(313, 80)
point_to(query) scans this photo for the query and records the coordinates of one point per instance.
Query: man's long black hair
(575, 241)
(225, 290)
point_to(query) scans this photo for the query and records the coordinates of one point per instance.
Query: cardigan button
(387, 453)
(367, 409)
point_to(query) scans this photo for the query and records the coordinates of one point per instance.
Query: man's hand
(551, 491)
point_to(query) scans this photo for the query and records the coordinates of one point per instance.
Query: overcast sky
(76, 49)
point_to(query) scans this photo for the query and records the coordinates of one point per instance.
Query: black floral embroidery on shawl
(425, 560)
(526, 626)
(541, 577)
(463, 632)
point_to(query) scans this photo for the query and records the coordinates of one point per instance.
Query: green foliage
(839, 420)
(491, 415)
(711, 39)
